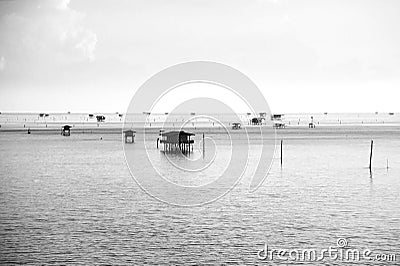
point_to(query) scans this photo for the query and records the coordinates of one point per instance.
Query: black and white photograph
(198, 132)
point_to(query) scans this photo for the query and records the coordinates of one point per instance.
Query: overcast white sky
(305, 56)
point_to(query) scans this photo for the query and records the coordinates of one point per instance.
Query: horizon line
(194, 113)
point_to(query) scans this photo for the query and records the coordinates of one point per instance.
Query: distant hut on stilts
(311, 124)
(236, 126)
(129, 136)
(100, 118)
(277, 120)
(66, 130)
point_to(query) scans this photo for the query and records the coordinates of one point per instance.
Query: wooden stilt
(204, 149)
(370, 156)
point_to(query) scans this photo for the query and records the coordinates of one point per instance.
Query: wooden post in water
(204, 149)
(281, 152)
(370, 156)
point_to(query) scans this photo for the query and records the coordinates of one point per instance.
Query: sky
(305, 56)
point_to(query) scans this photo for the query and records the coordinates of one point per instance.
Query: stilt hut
(236, 126)
(66, 130)
(256, 121)
(277, 117)
(177, 140)
(278, 124)
(277, 120)
(311, 124)
(129, 136)
(100, 118)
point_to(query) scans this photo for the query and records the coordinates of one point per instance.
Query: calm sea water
(72, 200)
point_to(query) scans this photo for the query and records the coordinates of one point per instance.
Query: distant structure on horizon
(129, 136)
(277, 120)
(66, 130)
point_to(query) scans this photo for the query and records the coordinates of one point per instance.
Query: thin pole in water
(370, 156)
(281, 152)
(204, 149)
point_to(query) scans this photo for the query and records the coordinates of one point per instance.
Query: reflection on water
(72, 200)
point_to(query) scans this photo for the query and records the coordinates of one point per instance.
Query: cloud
(2, 63)
(81, 39)
(45, 31)
(62, 4)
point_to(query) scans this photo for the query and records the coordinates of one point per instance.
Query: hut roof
(170, 133)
